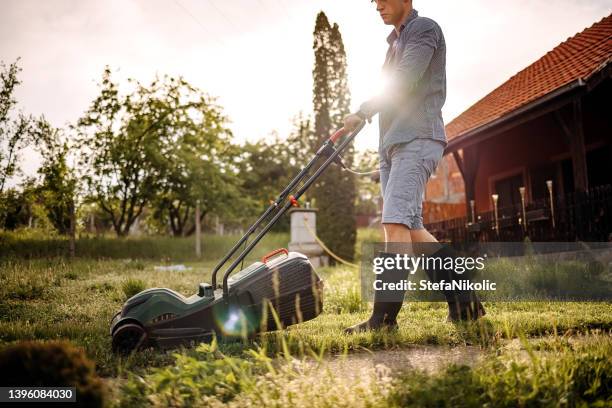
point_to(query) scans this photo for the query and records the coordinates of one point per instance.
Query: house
(535, 154)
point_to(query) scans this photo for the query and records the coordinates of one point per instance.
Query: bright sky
(256, 55)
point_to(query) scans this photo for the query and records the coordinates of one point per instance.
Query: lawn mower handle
(327, 150)
(338, 135)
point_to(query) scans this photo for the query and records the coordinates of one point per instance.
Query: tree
(15, 134)
(130, 142)
(335, 191)
(198, 169)
(58, 188)
(267, 166)
(301, 141)
(366, 201)
(152, 145)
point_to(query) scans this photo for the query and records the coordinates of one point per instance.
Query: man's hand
(351, 122)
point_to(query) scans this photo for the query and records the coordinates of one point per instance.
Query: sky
(256, 56)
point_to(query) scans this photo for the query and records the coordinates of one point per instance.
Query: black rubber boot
(386, 306)
(462, 305)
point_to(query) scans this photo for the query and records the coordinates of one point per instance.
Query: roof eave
(590, 81)
(456, 142)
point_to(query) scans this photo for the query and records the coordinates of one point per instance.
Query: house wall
(538, 143)
(446, 184)
(513, 153)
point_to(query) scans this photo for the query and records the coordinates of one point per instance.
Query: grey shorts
(404, 171)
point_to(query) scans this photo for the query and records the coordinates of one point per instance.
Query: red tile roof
(576, 58)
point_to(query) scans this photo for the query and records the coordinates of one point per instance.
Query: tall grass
(551, 372)
(17, 245)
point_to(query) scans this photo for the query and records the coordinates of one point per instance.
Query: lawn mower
(281, 290)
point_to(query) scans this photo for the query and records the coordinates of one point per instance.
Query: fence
(583, 216)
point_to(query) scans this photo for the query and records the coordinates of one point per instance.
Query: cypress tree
(334, 193)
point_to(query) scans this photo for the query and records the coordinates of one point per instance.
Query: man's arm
(424, 39)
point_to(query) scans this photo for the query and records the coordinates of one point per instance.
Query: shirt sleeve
(423, 40)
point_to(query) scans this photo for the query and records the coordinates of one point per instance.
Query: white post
(549, 185)
(473, 211)
(522, 191)
(495, 199)
(303, 229)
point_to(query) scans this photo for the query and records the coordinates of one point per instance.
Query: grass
(550, 372)
(51, 298)
(35, 246)
(132, 286)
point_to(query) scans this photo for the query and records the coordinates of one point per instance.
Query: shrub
(132, 286)
(52, 364)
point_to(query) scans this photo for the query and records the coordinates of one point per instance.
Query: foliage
(199, 168)
(22, 207)
(58, 189)
(52, 364)
(153, 144)
(212, 378)
(266, 167)
(15, 135)
(93, 218)
(44, 204)
(335, 190)
(191, 380)
(556, 372)
(368, 188)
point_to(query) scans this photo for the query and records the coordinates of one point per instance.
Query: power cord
(356, 172)
(361, 173)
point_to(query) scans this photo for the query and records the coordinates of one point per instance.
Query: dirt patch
(427, 358)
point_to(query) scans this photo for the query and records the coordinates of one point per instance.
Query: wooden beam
(470, 169)
(567, 133)
(581, 182)
(459, 161)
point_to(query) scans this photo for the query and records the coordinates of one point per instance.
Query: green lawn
(54, 298)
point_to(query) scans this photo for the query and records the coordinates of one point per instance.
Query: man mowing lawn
(412, 142)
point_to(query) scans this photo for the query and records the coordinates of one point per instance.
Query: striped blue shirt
(411, 105)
